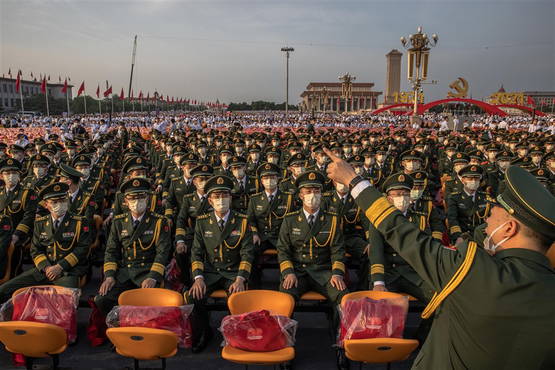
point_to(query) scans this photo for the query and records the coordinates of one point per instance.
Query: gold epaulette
(203, 217)
(257, 194)
(330, 213)
(294, 213)
(189, 195)
(41, 218)
(175, 178)
(76, 217)
(242, 215)
(327, 194)
(121, 215)
(157, 215)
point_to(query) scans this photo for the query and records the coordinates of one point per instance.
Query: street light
(346, 87)
(418, 46)
(287, 50)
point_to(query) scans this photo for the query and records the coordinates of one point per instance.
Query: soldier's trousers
(33, 277)
(105, 303)
(184, 263)
(355, 246)
(200, 318)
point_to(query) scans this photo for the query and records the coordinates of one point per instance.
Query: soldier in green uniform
(90, 184)
(310, 245)
(81, 203)
(254, 160)
(17, 201)
(5, 239)
(222, 255)
(59, 246)
(468, 208)
(138, 247)
(430, 219)
(181, 185)
(296, 166)
(494, 308)
(178, 168)
(226, 153)
(244, 185)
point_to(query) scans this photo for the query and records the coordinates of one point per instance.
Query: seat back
(150, 297)
(379, 350)
(255, 300)
(33, 339)
(376, 295)
(143, 343)
(58, 288)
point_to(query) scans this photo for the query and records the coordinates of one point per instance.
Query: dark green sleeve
(285, 257)
(26, 224)
(436, 223)
(80, 251)
(338, 251)
(198, 251)
(163, 248)
(376, 255)
(453, 218)
(247, 253)
(38, 251)
(432, 262)
(113, 251)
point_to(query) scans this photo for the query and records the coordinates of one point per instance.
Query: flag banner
(81, 89)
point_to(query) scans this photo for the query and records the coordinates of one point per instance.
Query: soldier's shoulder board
(175, 178)
(286, 179)
(330, 213)
(121, 215)
(327, 194)
(294, 213)
(288, 192)
(78, 218)
(43, 218)
(257, 194)
(157, 215)
(189, 195)
(242, 215)
(455, 193)
(203, 217)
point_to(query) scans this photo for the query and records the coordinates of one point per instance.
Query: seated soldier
(222, 255)
(265, 213)
(59, 246)
(468, 208)
(138, 247)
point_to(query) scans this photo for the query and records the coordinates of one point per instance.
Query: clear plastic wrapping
(172, 318)
(50, 305)
(258, 331)
(367, 318)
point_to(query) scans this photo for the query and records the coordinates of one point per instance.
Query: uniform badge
(208, 234)
(296, 231)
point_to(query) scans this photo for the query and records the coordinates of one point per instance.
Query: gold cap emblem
(57, 188)
(205, 168)
(401, 177)
(220, 181)
(136, 183)
(312, 176)
(139, 160)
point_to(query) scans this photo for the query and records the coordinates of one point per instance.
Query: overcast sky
(230, 50)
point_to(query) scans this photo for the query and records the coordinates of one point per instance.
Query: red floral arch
(489, 108)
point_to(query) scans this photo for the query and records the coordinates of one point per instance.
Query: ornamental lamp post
(346, 87)
(418, 46)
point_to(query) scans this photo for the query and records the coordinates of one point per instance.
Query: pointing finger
(332, 156)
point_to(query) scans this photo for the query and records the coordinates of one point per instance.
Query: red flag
(17, 82)
(64, 89)
(98, 91)
(141, 95)
(108, 92)
(530, 101)
(43, 85)
(81, 89)
(131, 97)
(121, 97)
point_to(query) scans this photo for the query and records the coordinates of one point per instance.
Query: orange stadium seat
(254, 300)
(33, 340)
(150, 297)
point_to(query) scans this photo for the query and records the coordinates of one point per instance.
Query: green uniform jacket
(68, 246)
(240, 198)
(137, 254)
(318, 252)
(229, 252)
(5, 239)
(265, 219)
(177, 191)
(501, 314)
(192, 207)
(20, 206)
(464, 214)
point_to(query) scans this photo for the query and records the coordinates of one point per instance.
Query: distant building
(10, 99)
(541, 98)
(393, 75)
(326, 96)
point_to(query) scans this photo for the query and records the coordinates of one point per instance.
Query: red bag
(367, 318)
(173, 277)
(174, 319)
(258, 331)
(50, 306)
(96, 330)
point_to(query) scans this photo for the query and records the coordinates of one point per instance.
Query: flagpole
(46, 95)
(85, 103)
(99, 107)
(21, 94)
(67, 102)
(112, 95)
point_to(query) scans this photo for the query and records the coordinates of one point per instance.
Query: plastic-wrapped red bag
(173, 277)
(258, 331)
(367, 318)
(174, 319)
(49, 305)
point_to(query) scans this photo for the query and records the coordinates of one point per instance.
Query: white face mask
(59, 208)
(487, 240)
(412, 166)
(401, 202)
(39, 172)
(19, 156)
(472, 185)
(238, 173)
(11, 180)
(341, 188)
(416, 194)
(297, 170)
(137, 205)
(312, 200)
(221, 205)
(491, 156)
(273, 160)
(269, 184)
(85, 172)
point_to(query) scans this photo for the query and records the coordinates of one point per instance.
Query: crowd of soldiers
(220, 201)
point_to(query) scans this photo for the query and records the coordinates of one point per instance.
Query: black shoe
(203, 341)
(342, 361)
(286, 366)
